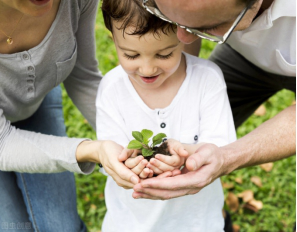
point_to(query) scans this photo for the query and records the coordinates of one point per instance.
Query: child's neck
(162, 97)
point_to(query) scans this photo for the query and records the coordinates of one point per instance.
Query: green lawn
(278, 186)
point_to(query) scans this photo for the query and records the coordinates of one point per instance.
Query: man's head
(212, 16)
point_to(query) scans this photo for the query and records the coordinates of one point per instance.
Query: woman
(44, 43)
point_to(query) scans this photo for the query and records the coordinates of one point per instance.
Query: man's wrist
(231, 159)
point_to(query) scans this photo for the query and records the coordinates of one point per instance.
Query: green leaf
(134, 144)
(158, 139)
(146, 152)
(146, 135)
(138, 136)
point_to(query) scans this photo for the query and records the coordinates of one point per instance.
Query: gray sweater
(66, 54)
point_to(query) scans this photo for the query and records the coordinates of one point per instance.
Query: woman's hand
(107, 153)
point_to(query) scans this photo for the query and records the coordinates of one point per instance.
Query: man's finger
(156, 194)
(185, 181)
(196, 161)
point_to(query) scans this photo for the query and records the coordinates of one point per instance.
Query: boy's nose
(148, 70)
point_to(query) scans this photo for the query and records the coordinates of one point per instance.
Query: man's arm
(273, 140)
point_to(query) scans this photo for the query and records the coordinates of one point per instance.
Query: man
(258, 59)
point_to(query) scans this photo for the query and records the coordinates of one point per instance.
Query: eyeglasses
(218, 39)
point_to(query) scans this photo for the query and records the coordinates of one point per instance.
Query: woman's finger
(126, 153)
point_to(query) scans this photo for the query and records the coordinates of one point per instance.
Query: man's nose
(185, 37)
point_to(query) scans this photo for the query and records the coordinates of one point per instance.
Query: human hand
(162, 163)
(138, 164)
(107, 153)
(201, 169)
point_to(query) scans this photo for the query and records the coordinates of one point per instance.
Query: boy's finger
(160, 165)
(145, 173)
(172, 161)
(176, 147)
(133, 162)
(139, 167)
(151, 173)
(179, 150)
(154, 169)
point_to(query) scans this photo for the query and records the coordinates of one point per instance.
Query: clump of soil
(162, 149)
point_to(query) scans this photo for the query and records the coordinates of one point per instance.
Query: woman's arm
(25, 151)
(83, 82)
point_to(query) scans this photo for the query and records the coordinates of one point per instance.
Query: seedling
(142, 142)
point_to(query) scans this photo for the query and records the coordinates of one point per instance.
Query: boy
(160, 88)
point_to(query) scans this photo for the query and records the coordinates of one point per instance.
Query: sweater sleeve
(25, 151)
(83, 82)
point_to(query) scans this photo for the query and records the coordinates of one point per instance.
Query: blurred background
(260, 198)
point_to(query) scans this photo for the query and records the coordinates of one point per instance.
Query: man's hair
(131, 13)
(249, 3)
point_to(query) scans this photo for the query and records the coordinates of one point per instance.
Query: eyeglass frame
(220, 40)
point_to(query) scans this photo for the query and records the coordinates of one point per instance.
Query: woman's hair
(132, 14)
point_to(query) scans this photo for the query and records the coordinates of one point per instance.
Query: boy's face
(151, 60)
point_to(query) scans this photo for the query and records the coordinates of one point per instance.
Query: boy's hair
(132, 13)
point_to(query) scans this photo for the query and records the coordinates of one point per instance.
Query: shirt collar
(279, 8)
(283, 8)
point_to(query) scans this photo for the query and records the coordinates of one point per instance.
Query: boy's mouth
(150, 79)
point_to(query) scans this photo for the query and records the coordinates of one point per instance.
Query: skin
(205, 15)
(33, 27)
(273, 140)
(151, 52)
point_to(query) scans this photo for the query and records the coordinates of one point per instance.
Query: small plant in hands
(142, 140)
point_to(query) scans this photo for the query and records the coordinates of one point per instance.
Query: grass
(277, 193)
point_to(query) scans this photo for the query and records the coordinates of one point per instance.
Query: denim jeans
(40, 202)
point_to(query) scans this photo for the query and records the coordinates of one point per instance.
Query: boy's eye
(131, 57)
(164, 57)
